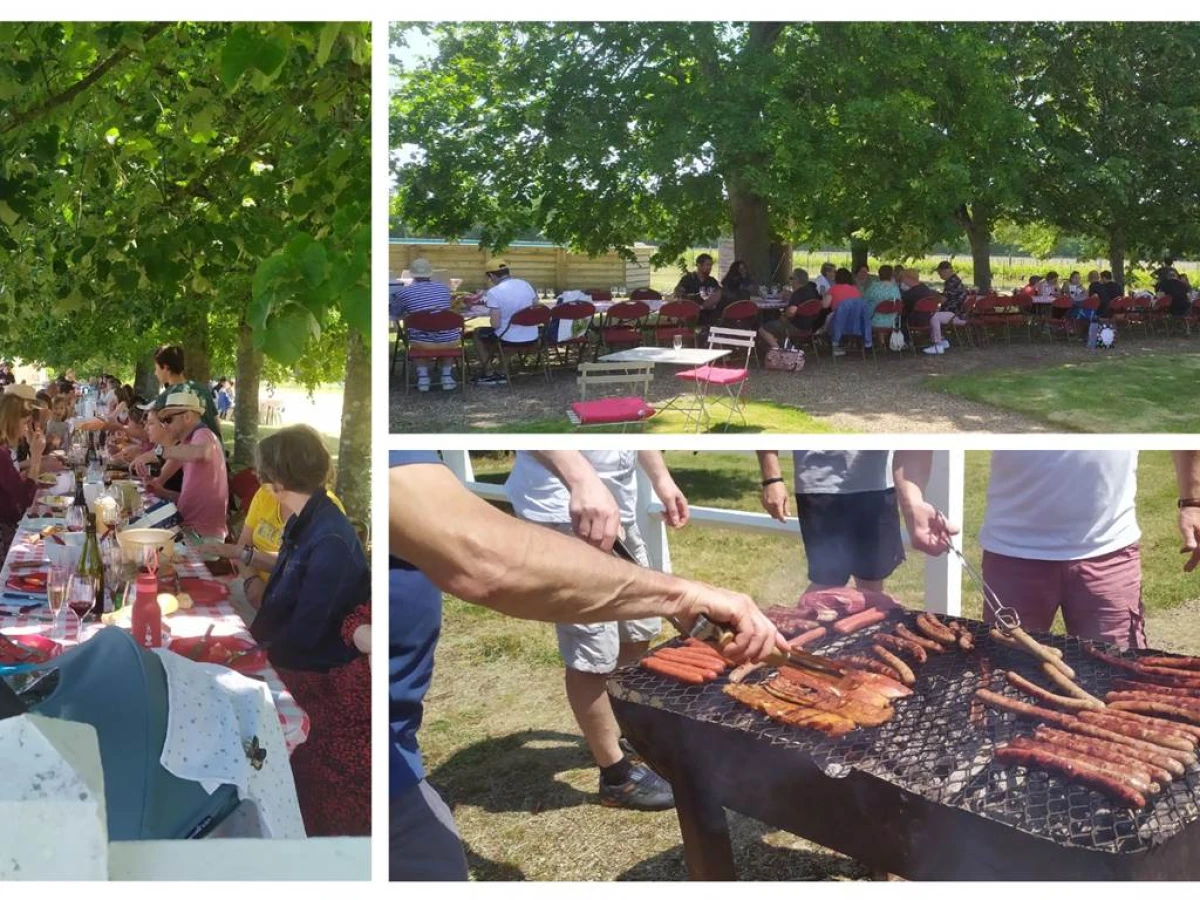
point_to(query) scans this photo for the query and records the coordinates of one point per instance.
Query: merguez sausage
(1165, 726)
(1154, 697)
(1171, 677)
(935, 630)
(906, 674)
(1135, 730)
(1171, 662)
(1105, 750)
(1081, 773)
(858, 621)
(908, 634)
(1157, 712)
(1040, 693)
(1129, 774)
(678, 671)
(803, 640)
(1123, 684)
(902, 645)
(999, 702)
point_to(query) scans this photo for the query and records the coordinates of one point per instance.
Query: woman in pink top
(849, 314)
(843, 288)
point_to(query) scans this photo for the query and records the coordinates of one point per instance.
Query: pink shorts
(1100, 598)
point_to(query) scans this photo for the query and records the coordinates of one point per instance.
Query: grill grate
(939, 743)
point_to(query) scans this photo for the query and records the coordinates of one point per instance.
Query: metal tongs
(1007, 619)
(708, 631)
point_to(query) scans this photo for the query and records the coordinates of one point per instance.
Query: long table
(16, 619)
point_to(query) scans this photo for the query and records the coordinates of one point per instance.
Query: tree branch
(80, 86)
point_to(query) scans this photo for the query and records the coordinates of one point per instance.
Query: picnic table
(17, 618)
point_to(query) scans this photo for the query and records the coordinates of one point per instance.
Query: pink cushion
(713, 375)
(612, 410)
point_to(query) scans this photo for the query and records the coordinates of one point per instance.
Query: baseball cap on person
(420, 268)
(26, 393)
(495, 264)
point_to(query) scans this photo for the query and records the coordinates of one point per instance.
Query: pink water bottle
(147, 616)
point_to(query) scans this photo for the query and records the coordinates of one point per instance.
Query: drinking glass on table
(677, 342)
(75, 518)
(81, 596)
(58, 579)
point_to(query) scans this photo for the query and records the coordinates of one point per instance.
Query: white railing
(943, 575)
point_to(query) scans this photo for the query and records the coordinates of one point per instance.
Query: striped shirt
(421, 296)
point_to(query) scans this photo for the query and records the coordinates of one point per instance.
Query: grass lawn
(502, 747)
(1143, 394)
(761, 416)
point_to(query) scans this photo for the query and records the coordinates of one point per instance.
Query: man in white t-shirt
(593, 494)
(1060, 532)
(506, 296)
(825, 278)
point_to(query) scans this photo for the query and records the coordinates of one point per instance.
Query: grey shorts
(423, 844)
(595, 648)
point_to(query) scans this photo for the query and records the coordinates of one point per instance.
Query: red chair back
(574, 309)
(886, 308)
(740, 311)
(437, 320)
(923, 311)
(806, 315)
(1092, 302)
(243, 486)
(599, 295)
(1062, 302)
(628, 311)
(682, 311)
(1162, 304)
(646, 294)
(536, 315)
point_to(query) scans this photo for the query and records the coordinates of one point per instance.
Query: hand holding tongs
(704, 629)
(1007, 618)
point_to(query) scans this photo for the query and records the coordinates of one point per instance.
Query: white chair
(731, 377)
(628, 409)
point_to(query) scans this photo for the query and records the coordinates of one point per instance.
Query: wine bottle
(91, 564)
(80, 499)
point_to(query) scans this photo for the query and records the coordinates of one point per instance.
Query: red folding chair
(624, 410)
(242, 487)
(880, 334)
(599, 295)
(677, 318)
(621, 327)
(743, 314)
(802, 327)
(572, 311)
(919, 320)
(536, 316)
(1159, 313)
(725, 373)
(441, 320)
(1059, 321)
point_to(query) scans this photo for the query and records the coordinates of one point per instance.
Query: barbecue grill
(919, 796)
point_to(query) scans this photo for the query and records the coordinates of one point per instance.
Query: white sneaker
(934, 350)
(945, 345)
(423, 385)
(838, 351)
(448, 383)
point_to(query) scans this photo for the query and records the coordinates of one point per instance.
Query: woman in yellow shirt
(258, 545)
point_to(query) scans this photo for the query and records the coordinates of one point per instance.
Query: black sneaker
(645, 789)
(627, 749)
(491, 380)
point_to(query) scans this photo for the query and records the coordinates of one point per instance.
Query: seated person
(737, 284)
(882, 289)
(789, 324)
(424, 295)
(847, 312)
(1107, 290)
(1171, 286)
(701, 287)
(258, 545)
(506, 296)
(314, 623)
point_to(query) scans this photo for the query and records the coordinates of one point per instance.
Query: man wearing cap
(425, 295)
(203, 500)
(506, 296)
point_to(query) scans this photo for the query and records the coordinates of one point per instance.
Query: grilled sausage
(1161, 712)
(1125, 684)
(1128, 773)
(999, 702)
(869, 665)
(858, 621)
(1183, 702)
(1068, 685)
(1040, 693)
(1171, 662)
(1105, 750)
(933, 629)
(810, 636)
(697, 644)
(1137, 730)
(690, 658)
(1040, 651)
(1080, 773)
(1167, 726)
(908, 634)
(902, 645)
(677, 670)
(906, 674)
(1004, 640)
(1170, 677)
(738, 675)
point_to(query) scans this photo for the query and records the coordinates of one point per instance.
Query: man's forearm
(654, 465)
(474, 551)
(182, 453)
(910, 474)
(768, 464)
(1187, 473)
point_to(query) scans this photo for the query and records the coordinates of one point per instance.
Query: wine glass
(57, 581)
(75, 518)
(81, 596)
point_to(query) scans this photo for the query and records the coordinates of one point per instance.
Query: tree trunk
(196, 364)
(245, 413)
(858, 253)
(144, 382)
(751, 234)
(1116, 256)
(354, 447)
(980, 236)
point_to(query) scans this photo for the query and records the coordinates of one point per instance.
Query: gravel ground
(893, 395)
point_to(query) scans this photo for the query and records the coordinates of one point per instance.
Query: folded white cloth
(214, 716)
(573, 296)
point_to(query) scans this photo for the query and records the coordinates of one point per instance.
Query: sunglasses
(168, 419)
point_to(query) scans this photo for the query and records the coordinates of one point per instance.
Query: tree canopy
(900, 135)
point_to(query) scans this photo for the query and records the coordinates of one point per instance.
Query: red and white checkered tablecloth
(194, 622)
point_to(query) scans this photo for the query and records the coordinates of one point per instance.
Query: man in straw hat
(506, 296)
(203, 499)
(425, 295)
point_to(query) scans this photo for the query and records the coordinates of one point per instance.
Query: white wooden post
(459, 462)
(651, 524)
(943, 574)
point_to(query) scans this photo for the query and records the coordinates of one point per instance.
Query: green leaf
(356, 309)
(329, 34)
(246, 49)
(315, 264)
(287, 333)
